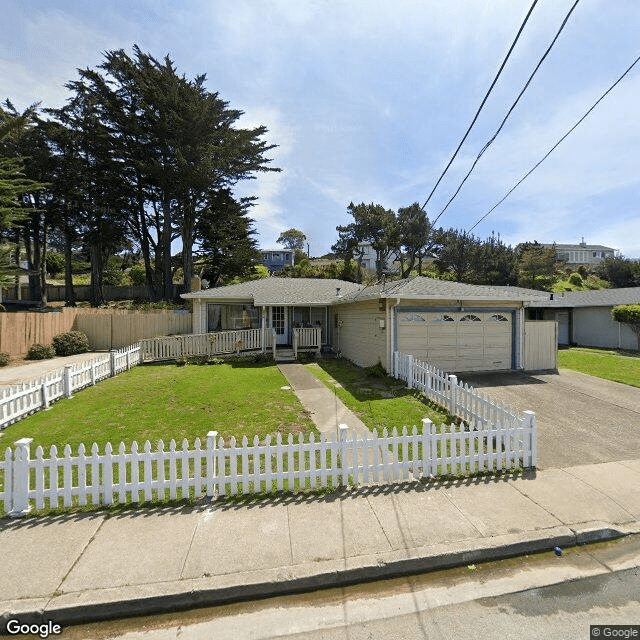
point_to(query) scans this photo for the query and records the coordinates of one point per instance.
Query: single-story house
(454, 326)
(584, 317)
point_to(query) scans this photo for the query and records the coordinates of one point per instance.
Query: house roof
(597, 298)
(579, 247)
(279, 291)
(430, 288)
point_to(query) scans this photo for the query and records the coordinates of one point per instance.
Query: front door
(280, 322)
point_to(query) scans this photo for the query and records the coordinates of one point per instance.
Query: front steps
(284, 355)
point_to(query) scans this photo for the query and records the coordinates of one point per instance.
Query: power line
(513, 106)
(504, 62)
(595, 104)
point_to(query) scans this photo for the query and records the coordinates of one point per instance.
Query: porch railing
(210, 344)
(305, 338)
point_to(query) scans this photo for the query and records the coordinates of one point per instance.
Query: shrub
(40, 352)
(70, 343)
(137, 274)
(4, 359)
(575, 279)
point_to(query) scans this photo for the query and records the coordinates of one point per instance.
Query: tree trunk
(69, 293)
(96, 292)
(187, 247)
(167, 280)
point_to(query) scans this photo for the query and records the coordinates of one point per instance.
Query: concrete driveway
(581, 419)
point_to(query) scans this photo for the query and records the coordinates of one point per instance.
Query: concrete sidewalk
(83, 567)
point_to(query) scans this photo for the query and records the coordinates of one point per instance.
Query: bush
(575, 279)
(70, 343)
(55, 264)
(40, 352)
(4, 359)
(137, 274)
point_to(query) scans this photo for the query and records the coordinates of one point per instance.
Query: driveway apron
(581, 419)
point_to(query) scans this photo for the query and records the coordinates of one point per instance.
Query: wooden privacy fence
(120, 328)
(105, 328)
(19, 401)
(155, 473)
(459, 399)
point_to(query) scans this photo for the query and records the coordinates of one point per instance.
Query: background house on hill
(277, 259)
(583, 254)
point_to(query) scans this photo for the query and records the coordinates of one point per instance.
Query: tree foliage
(292, 239)
(619, 271)
(140, 156)
(628, 314)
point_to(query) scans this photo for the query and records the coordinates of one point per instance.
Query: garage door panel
(482, 342)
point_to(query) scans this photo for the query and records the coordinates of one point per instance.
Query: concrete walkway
(34, 370)
(82, 567)
(326, 410)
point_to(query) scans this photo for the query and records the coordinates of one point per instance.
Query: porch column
(264, 329)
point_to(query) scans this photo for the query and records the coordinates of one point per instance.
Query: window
(498, 317)
(228, 317)
(443, 318)
(470, 318)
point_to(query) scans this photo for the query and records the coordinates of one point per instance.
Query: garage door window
(443, 318)
(496, 317)
(470, 318)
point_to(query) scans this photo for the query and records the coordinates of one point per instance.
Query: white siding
(360, 337)
(594, 327)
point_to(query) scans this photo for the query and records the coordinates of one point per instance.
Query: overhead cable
(595, 104)
(513, 106)
(504, 62)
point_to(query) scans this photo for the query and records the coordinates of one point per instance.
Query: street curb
(138, 600)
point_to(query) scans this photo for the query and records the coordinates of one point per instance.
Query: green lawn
(163, 401)
(619, 366)
(379, 401)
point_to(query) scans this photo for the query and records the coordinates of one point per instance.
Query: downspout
(520, 364)
(391, 335)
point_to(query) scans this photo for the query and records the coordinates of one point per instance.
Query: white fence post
(410, 371)
(426, 429)
(533, 436)
(128, 357)
(343, 430)
(453, 382)
(45, 395)
(212, 438)
(20, 478)
(93, 373)
(67, 381)
(113, 362)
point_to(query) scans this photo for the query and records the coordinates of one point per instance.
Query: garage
(458, 340)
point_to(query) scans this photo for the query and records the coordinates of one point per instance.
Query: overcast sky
(367, 100)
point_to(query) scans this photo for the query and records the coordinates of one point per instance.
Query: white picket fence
(459, 399)
(209, 344)
(145, 474)
(19, 401)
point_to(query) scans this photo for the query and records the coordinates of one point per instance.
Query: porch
(241, 341)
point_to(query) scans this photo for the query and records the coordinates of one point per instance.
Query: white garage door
(457, 341)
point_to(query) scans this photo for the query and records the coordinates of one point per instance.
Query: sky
(368, 99)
